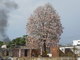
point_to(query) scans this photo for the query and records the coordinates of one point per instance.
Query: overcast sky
(69, 10)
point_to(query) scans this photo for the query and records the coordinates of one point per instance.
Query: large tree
(45, 24)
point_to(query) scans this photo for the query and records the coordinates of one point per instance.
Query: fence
(59, 58)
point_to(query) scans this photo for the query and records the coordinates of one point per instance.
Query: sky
(68, 10)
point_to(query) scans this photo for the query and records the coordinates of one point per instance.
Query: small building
(66, 51)
(23, 51)
(76, 42)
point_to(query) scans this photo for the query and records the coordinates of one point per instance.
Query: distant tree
(1, 43)
(45, 24)
(20, 41)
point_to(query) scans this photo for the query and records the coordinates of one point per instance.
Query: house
(23, 51)
(76, 42)
(71, 50)
(66, 51)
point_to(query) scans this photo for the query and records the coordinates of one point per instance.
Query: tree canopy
(45, 23)
(20, 41)
(1, 43)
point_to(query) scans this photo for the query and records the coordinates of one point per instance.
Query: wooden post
(30, 52)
